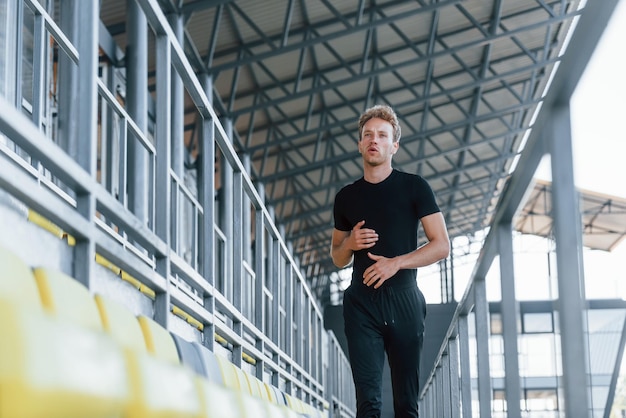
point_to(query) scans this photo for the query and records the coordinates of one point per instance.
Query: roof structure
(603, 216)
(466, 78)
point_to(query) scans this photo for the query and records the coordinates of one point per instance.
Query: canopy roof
(465, 77)
(603, 216)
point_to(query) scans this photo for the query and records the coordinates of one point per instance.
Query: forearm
(345, 243)
(427, 254)
(341, 254)
(437, 248)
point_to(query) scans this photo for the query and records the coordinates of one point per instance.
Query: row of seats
(66, 354)
(220, 370)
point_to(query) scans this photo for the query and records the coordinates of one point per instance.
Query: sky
(598, 112)
(599, 146)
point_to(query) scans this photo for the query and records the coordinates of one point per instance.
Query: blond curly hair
(383, 112)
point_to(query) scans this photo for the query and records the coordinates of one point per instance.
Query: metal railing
(89, 165)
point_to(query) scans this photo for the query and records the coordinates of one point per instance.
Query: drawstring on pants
(386, 298)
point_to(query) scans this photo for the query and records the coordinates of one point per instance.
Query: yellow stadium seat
(271, 393)
(66, 298)
(163, 387)
(158, 340)
(119, 322)
(295, 404)
(50, 368)
(17, 282)
(230, 374)
(261, 390)
(281, 411)
(219, 401)
(253, 407)
(249, 383)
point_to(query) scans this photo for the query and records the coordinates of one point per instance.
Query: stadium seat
(252, 383)
(244, 383)
(47, 365)
(50, 368)
(219, 401)
(164, 390)
(16, 281)
(296, 404)
(189, 355)
(230, 374)
(163, 387)
(253, 407)
(159, 341)
(67, 299)
(262, 389)
(210, 364)
(275, 395)
(120, 323)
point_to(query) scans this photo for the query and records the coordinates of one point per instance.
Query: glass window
(538, 355)
(541, 400)
(495, 320)
(540, 322)
(499, 401)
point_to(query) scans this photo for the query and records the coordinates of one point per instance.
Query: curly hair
(383, 112)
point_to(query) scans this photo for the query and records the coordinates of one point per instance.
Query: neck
(376, 174)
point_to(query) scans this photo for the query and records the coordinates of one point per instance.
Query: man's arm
(437, 248)
(345, 243)
(339, 251)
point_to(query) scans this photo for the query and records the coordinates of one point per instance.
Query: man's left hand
(380, 271)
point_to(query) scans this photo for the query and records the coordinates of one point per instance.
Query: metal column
(9, 34)
(178, 105)
(137, 107)
(481, 310)
(206, 194)
(163, 195)
(88, 13)
(510, 313)
(567, 230)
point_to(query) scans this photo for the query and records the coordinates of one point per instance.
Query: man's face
(376, 144)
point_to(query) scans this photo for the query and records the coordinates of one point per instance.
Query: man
(376, 223)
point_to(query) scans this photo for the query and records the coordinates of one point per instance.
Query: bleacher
(67, 353)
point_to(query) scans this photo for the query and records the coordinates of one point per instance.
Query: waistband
(388, 286)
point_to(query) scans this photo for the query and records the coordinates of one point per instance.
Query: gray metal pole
(207, 198)
(163, 195)
(87, 116)
(510, 313)
(464, 367)
(137, 107)
(8, 49)
(226, 213)
(481, 312)
(178, 105)
(567, 230)
(68, 99)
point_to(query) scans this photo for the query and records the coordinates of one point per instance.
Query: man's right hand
(345, 243)
(361, 238)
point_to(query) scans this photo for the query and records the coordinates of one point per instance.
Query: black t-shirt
(393, 209)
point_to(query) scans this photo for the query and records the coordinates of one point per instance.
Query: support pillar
(567, 231)
(510, 316)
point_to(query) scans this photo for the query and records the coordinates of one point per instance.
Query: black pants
(391, 320)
